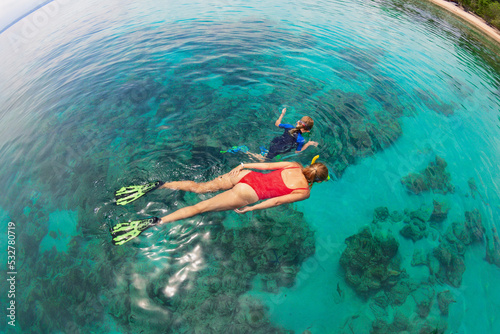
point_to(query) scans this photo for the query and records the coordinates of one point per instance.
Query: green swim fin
(124, 232)
(129, 194)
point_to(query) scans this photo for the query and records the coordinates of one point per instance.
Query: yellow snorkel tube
(313, 161)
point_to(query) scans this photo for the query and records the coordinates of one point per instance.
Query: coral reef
(450, 262)
(493, 248)
(414, 229)
(362, 59)
(424, 297)
(433, 102)
(368, 262)
(433, 177)
(439, 213)
(416, 226)
(445, 298)
(110, 284)
(273, 247)
(415, 183)
(380, 215)
(420, 257)
(447, 260)
(356, 132)
(400, 324)
(398, 294)
(474, 226)
(403, 324)
(372, 268)
(386, 91)
(68, 285)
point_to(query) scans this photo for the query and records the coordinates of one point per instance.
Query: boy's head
(306, 123)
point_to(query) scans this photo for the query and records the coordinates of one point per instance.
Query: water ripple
(144, 91)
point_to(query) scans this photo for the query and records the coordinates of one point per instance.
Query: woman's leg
(223, 182)
(240, 195)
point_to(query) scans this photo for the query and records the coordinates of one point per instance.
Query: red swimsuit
(268, 185)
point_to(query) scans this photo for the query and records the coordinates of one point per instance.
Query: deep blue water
(405, 100)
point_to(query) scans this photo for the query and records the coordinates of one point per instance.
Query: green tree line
(487, 9)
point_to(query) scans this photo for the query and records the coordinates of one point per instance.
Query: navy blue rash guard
(286, 142)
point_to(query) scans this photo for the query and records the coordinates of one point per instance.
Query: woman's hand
(243, 209)
(313, 143)
(283, 111)
(235, 171)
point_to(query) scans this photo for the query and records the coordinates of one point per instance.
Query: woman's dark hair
(316, 172)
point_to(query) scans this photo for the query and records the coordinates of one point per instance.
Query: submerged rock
(439, 213)
(493, 248)
(415, 183)
(445, 298)
(433, 102)
(457, 233)
(401, 290)
(356, 132)
(415, 225)
(424, 297)
(274, 247)
(396, 216)
(380, 214)
(451, 264)
(388, 129)
(400, 324)
(446, 261)
(433, 177)
(415, 230)
(473, 223)
(420, 257)
(367, 262)
(360, 139)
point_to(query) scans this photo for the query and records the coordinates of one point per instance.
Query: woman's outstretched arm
(263, 166)
(270, 165)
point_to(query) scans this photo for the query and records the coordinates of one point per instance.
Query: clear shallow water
(131, 92)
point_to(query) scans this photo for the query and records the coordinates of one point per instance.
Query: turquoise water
(128, 92)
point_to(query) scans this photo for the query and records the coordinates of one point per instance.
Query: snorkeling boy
(290, 139)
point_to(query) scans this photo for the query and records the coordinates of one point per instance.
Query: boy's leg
(257, 156)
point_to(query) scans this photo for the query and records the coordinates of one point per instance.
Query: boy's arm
(306, 145)
(278, 121)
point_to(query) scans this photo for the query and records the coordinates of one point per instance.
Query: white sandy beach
(470, 18)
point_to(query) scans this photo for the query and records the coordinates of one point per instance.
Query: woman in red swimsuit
(287, 183)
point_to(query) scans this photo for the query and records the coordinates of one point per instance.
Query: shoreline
(476, 21)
